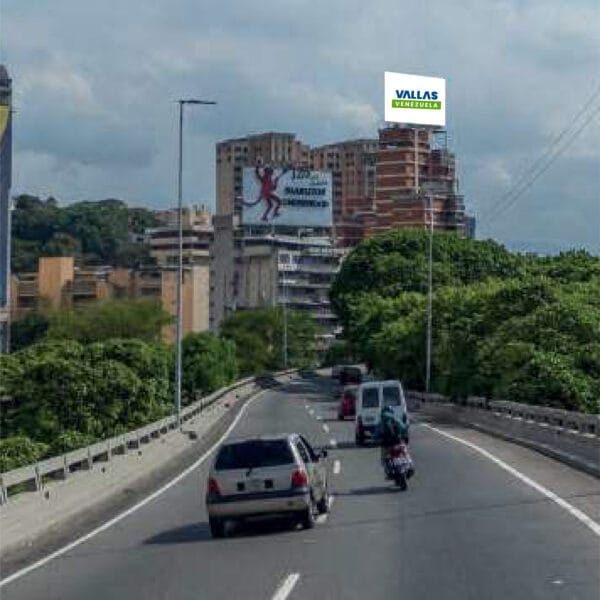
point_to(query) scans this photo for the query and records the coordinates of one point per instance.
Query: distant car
(350, 375)
(347, 402)
(268, 476)
(371, 397)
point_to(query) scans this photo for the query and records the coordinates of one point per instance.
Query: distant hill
(93, 232)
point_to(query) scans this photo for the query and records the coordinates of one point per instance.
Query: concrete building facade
(197, 237)
(250, 271)
(58, 283)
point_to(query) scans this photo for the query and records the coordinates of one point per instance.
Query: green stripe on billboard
(424, 104)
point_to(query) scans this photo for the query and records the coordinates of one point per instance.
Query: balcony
(28, 288)
(85, 288)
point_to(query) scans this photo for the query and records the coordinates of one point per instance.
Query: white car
(268, 476)
(371, 398)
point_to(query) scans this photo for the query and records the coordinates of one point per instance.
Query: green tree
(102, 320)
(18, 451)
(27, 330)
(258, 337)
(209, 363)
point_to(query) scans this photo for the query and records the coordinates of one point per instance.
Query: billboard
(415, 100)
(291, 197)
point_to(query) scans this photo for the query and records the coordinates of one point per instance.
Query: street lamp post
(178, 335)
(429, 296)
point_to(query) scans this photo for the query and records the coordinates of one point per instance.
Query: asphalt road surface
(465, 529)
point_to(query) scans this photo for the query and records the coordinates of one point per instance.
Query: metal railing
(32, 477)
(569, 421)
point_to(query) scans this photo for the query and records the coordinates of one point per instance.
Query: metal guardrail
(32, 477)
(564, 420)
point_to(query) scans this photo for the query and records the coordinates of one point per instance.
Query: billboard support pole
(429, 297)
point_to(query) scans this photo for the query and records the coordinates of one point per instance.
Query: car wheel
(217, 527)
(308, 518)
(359, 439)
(323, 504)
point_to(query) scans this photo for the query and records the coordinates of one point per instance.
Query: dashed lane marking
(337, 467)
(326, 428)
(286, 586)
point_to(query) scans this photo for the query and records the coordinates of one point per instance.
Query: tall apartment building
(352, 164)
(58, 283)
(249, 271)
(396, 203)
(197, 236)
(233, 155)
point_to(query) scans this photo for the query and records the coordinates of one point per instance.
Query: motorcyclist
(392, 431)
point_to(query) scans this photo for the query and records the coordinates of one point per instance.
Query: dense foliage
(209, 363)
(58, 395)
(97, 232)
(27, 330)
(258, 336)
(94, 321)
(508, 326)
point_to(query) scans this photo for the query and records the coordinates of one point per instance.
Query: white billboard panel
(415, 100)
(292, 197)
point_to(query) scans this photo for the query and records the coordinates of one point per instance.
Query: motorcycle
(398, 465)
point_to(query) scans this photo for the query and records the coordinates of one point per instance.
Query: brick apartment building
(374, 180)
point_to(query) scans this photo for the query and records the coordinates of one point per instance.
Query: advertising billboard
(291, 197)
(415, 100)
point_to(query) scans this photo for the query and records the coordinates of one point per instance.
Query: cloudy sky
(95, 83)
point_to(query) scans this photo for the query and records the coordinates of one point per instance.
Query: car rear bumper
(263, 503)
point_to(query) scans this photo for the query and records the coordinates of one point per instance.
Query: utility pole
(178, 335)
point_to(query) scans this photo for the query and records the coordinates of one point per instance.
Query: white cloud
(95, 84)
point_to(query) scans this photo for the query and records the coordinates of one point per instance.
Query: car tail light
(299, 479)
(213, 487)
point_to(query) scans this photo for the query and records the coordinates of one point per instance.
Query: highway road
(466, 528)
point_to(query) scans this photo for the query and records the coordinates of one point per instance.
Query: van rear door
(393, 396)
(370, 405)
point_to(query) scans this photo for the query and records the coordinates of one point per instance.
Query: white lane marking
(323, 518)
(311, 412)
(326, 428)
(286, 587)
(135, 507)
(578, 514)
(337, 467)
(333, 443)
(306, 406)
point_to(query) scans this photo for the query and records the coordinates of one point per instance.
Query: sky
(95, 84)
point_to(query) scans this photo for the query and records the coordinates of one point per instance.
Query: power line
(524, 186)
(526, 177)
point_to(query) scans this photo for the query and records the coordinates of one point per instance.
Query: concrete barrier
(571, 437)
(32, 477)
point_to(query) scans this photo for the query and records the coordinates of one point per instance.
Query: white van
(371, 397)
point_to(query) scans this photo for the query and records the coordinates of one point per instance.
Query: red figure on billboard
(268, 187)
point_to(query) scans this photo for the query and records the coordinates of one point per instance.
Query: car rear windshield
(370, 398)
(391, 396)
(254, 454)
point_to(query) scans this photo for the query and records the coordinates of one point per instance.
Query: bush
(18, 451)
(209, 363)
